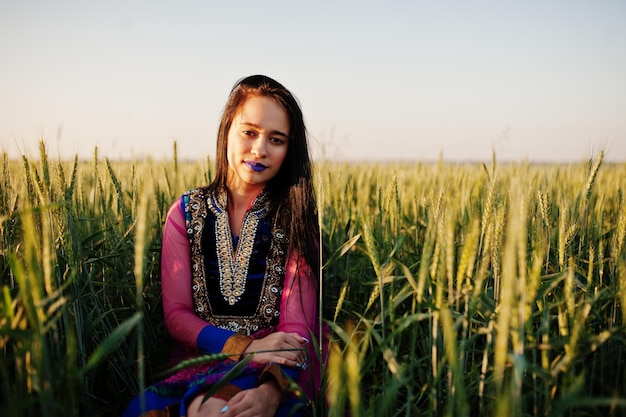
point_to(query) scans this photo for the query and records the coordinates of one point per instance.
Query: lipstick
(255, 166)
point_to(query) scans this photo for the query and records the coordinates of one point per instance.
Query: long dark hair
(292, 194)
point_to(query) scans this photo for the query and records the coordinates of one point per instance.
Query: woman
(240, 266)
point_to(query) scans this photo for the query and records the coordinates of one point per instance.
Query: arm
(180, 319)
(298, 305)
(298, 316)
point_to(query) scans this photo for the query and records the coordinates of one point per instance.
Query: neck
(239, 201)
(240, 197)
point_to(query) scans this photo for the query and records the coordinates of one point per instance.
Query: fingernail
(224, 409)
(298, 365)
(306, 340)
(304, 366)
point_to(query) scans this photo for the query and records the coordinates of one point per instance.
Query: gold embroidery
(233, 267)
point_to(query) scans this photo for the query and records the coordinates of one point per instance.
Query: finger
(299, 339)
(210, 407)
(288, 357)
(239, 405)
(295, 362)
(295, 353)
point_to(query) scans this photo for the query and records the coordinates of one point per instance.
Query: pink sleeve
(298, 306)
(180, 319)
(298, 313)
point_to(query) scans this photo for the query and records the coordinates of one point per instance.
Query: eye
(277, 140)
(248, 133)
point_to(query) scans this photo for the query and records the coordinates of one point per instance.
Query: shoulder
(193, 196)
(195, 192)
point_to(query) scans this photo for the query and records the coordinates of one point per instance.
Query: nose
(258, 148)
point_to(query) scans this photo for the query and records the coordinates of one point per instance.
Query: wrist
(270, 389)
(270, 386)
(273, 374)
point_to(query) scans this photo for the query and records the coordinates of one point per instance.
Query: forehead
(263, 111)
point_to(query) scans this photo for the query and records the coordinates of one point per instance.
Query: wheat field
(451, 289)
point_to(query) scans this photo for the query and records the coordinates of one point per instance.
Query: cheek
(283, 157)
(231, 146)
(230, 154)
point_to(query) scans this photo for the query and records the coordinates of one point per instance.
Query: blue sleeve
(290, 371)
(211, 339)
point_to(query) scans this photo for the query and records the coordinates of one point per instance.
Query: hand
(280, 347)
(262, 401)
(210, 408)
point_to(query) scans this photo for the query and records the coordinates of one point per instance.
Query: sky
(538, 81)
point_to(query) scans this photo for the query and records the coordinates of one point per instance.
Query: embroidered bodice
(235, 285)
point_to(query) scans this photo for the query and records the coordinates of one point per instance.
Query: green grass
(451, 289)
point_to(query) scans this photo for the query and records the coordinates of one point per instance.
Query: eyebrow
(273, 132)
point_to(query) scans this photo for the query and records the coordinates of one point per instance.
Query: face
(257, 143)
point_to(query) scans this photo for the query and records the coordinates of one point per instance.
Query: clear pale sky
(543, 81)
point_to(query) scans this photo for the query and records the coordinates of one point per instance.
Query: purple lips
(255, 166)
